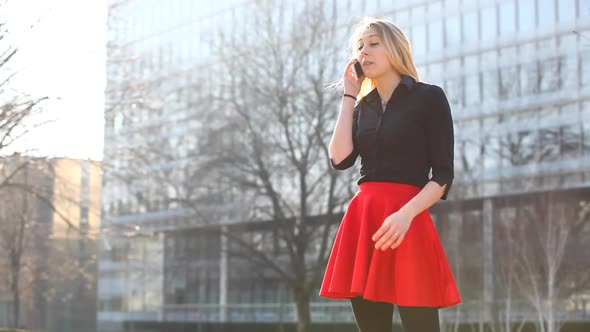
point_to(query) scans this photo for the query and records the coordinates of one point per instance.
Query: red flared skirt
(416, 273)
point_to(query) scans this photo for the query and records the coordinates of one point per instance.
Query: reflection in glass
(570, 141)
(529, 78)
(509, 80)
(549, 79)
(490, 85)
(492, 155)
(548, 144)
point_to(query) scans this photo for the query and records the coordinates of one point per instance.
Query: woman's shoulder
(431, 89)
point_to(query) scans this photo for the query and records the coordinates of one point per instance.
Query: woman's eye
(372, 44)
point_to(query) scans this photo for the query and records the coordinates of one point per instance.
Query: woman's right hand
(351, 84)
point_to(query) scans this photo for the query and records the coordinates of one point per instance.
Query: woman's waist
(389, 187)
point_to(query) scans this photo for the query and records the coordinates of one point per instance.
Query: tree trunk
(303, 313)
(15, 295)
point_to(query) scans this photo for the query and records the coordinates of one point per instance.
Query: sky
(62, 56)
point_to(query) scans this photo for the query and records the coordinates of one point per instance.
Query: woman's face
(372, 54)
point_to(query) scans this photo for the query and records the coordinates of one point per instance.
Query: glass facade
(517, 75)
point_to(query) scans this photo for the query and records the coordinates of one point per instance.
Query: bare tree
(259, 147)
(279, 119)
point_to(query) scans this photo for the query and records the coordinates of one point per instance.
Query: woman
(387, 251)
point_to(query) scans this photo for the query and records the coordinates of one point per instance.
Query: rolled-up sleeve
(440, 139)
(351, 158)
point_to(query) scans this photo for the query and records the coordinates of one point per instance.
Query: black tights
(378, 316)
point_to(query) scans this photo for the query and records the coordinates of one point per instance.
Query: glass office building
(517, 76)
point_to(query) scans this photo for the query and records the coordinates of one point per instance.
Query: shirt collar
(406, 81)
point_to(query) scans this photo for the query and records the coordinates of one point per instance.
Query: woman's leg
(372, 316)
(419, 319)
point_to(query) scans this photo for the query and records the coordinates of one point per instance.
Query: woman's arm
(426, 198)
(341, 149)
(440, 145)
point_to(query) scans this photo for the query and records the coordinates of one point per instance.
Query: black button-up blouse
(404, 143)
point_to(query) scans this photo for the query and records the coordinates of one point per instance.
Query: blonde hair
(397, 45)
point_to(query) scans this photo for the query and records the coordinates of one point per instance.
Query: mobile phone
(358, 70)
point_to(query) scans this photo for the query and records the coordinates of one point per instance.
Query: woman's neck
(386, 84)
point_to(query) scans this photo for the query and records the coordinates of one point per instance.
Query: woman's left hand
(393, 230)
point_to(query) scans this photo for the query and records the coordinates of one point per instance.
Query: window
(470, 27)
(569, 71)
(488, 23)
(508, 82)
(566, 11)
(546, 13)
(419, 40)
(526, 15)
(585, 70)
(490, 85)
(435, 36)
(529, 78)
(435, 73)
(585, 127)
(454, 90)
(570, 140)
(549, 79)
(519, 148)
(492, 157)
(417, 12)
(548, 144)
(472, 89)
(584, 8)
(372, 6)
(453, 31)
(84, 215)
(507, 18)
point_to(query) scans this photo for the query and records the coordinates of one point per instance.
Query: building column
(223, 276)
(488, 257)
(161, 274)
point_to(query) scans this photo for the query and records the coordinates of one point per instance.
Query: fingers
(398, 240)
(382, 230)
(349, 71)
(392, 239)
(388, 236)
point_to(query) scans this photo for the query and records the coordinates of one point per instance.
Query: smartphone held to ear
(358, 70)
